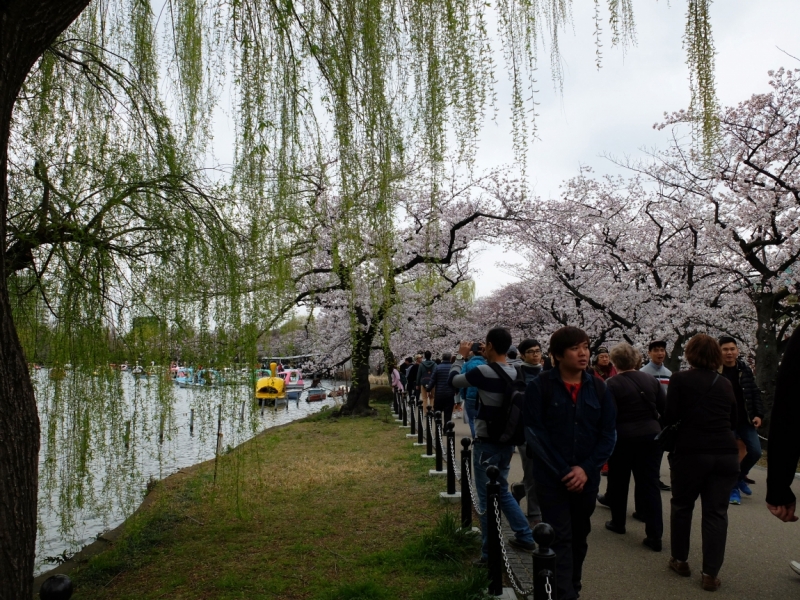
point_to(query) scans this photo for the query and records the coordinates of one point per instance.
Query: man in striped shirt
(487, 452)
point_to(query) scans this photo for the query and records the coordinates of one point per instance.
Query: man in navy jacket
(570, 431)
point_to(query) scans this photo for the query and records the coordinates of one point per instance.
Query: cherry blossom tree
(746, 195)
(376, 285)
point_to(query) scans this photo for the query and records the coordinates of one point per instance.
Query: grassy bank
(335, 509)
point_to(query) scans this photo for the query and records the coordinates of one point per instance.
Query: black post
(518, 492)
(466, 497)
(495, 553)
(450, 440)
(394, 403)
(219, 440)
(429, 428)
(57, 587)
(544, 563)
(418, 408)
(404, 408)
(438, 418)
(191, 422)
(410, 404)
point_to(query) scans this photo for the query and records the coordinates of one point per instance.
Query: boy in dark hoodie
(424, 374)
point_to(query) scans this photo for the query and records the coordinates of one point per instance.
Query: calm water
(105, 436)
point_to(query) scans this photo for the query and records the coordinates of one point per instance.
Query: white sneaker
(795, 566)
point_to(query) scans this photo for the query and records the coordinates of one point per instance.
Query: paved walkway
(618, 566)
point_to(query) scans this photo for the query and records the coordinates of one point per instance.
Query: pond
(106, 435)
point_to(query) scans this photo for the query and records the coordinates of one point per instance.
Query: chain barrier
(512, 577)
(548, 588)
(472, 494)
(439, 435)
(455, 460)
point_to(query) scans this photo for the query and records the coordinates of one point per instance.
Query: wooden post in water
(191, 422)
(127, 437)
(161, 429)
(243, 411)
(219, 440)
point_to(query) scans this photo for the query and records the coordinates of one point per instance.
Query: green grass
(323, 509)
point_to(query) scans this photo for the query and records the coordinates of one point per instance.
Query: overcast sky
(612, 111)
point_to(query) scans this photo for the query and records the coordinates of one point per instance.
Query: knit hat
(601, 350)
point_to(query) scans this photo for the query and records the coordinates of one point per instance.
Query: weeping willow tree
(112, 206)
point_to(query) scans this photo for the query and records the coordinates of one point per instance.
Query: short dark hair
(446, 357)
(703, 352)
(726, 339)
(527, 344)
(427, 354)
(476, 348)
(409, 359)
(657, 344)
(500, 339)
(512, 353)
(565, 338)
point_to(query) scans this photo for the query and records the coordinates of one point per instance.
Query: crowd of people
(615, 416)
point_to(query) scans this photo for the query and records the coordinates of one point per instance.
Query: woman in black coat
(705, 461)
(640, 400)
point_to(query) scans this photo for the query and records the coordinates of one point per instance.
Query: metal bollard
(450, 440)
(413, 418)
(418, 408)
(404, 408)
(518, 492)
(437, 416)
(466, 497)
(395, 405)
(493, 535)
(429, 428)
(544, 563)
(57, 587)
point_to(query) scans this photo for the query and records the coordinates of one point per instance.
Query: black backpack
(506, 425)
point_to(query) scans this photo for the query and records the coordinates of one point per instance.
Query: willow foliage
(119, 208)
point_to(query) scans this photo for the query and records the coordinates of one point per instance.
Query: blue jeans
(485, 454)
(749, 436)
(471, 406)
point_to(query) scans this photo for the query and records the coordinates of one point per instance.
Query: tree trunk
(767, 349)
(27, 28)
(358, 396)
(673, 361)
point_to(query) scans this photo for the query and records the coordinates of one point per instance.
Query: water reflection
(106, 434)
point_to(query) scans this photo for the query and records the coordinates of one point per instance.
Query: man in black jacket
(411, 376)
(444, 398)
(749, 408)
(784, 443)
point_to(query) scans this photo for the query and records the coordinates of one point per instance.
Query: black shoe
(663, 486)
(517, 491)
(611, 526)
(653, 543)
(638, 517)
(522, 546)
(601, 498)
(748, 481)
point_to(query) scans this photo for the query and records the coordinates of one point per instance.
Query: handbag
(668, 436)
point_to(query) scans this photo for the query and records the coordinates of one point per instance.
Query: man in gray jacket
(657, 351)
(486, 451)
